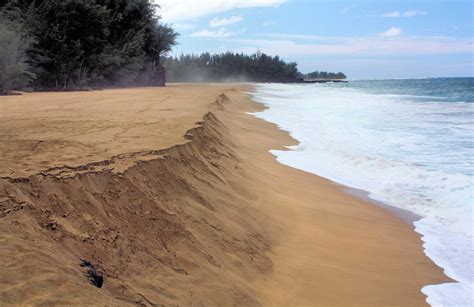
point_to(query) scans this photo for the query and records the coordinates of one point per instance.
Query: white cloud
(394, 14)
(393, 31)
(412, 13)
(221, 22)
(182, 10)
(409, 13)
(296, 36)
(218, 33)
(365, 46)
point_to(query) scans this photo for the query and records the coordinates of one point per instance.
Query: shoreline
(360, 164)
(406, 216)
(276, 298)
(248, 230)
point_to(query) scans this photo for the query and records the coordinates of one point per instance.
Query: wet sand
(172, 195)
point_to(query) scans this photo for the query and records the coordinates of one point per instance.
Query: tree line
(323, 75)
(229, 66)
(73, 44)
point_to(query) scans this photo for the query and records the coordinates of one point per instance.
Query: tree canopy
(91, 43)
(229, 66)
(14, 71)
(324, 75)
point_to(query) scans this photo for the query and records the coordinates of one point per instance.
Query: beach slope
(170, 194)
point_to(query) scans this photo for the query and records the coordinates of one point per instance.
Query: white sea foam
(416, 155)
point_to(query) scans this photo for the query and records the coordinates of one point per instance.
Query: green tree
(229, 66)
(93, 43)
(14, 72)
(159, 40)
(324, 75)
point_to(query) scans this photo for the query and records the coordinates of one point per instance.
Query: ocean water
(408, 143)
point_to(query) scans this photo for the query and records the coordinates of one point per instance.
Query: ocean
(408, 143)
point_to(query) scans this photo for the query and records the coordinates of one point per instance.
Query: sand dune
(172, 195)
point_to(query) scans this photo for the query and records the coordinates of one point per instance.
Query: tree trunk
(160, 76)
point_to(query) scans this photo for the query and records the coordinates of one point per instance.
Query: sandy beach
(172, 194)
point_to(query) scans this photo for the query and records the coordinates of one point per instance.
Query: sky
(365, 39)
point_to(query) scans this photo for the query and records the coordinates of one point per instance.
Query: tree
(324, 75)
(159, 41)
(258, 67)
(14, 72)
(93, 43)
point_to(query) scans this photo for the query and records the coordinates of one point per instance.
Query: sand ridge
(44, 130)
(168, 229)
(184, 207)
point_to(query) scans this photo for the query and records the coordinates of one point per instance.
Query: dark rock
(94, 276)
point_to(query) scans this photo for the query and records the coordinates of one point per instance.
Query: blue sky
(364, 39)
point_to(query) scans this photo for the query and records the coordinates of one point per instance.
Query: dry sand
(172, 194)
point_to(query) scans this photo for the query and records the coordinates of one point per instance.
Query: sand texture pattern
(171, 194)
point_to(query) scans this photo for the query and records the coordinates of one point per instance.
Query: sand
(172, 195)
